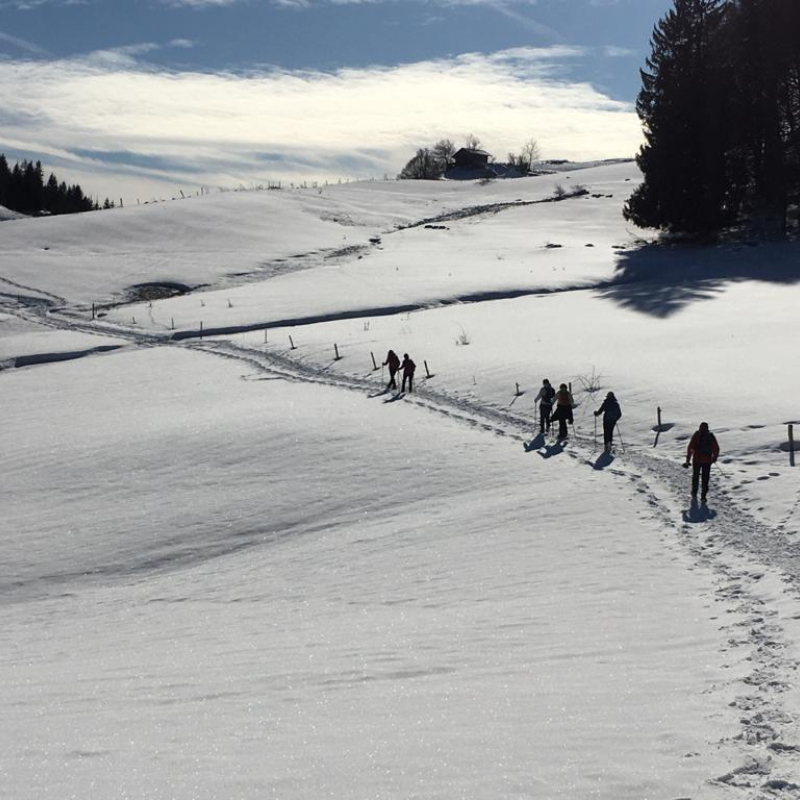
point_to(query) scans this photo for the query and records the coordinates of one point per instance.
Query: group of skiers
(407, 366)
(556, 406)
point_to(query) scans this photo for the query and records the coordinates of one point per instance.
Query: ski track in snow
(725, 540)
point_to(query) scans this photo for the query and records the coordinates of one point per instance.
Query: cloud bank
(120, 125)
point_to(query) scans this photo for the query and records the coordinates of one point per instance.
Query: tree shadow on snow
(661, 279)
(698, 513)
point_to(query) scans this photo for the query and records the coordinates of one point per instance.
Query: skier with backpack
(393, 363)
(563, 412)
(611, 415)
(545, 400)
(702, 452)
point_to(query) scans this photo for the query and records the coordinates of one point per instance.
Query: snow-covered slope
(7, 214)
(236, 567)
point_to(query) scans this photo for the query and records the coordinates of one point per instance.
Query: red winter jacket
(704, 451)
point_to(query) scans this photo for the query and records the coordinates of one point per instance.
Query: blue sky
(156, 95)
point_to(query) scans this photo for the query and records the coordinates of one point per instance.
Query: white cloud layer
(119, 125)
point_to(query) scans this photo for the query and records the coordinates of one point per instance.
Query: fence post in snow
(172, 323)
(427, 371)
(201, 329)
(518, 391)
(791, 445)
(336, 350)
(265, 335)
(94, 310)
(374, 364)
(291, 344)
(659, 418)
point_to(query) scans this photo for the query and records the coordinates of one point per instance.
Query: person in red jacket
(702, 452)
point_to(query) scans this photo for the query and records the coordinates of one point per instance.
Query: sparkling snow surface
(232, 569)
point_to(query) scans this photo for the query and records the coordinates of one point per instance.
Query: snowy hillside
(236, 567)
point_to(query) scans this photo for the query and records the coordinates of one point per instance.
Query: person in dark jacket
(611, 414)
(545, 400)
(702, 452)
(408, 367)
(563, 412)
(393, 362)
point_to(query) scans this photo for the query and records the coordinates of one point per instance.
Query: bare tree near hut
(443, 151)
(423, 166)
(472, 142)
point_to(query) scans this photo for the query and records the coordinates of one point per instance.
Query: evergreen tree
(5, 181)
(23, 189)
(768, 95)
(683, 103)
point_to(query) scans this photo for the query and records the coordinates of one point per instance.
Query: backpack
(548, 395)
(705, 444)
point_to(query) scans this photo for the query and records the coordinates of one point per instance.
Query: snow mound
(7, 214)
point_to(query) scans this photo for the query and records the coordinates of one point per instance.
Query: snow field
(232, 569)
(696, 365)
(207, 620)
(95, 257)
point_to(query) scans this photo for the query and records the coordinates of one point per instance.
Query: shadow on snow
(660, 280)
(698, 513)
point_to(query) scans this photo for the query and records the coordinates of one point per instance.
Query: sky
(142, 100)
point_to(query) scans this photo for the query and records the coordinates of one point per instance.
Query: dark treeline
(23, 189)
(720, 106)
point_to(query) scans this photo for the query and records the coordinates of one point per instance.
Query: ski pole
(619, 433)
(595, 435)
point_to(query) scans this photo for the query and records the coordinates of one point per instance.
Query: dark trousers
(697, 471)
(392, 382)
(608, 432)
(545, 410)
(563, 415)
(408, 376)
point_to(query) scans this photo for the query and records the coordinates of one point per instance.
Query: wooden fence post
(427, 371)
(172, 323)
(265, 336)
(791, 445)
(336, 350)
(517, 390)
(201, 329)
(291, 343)
(374, 364)
(659, 418)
